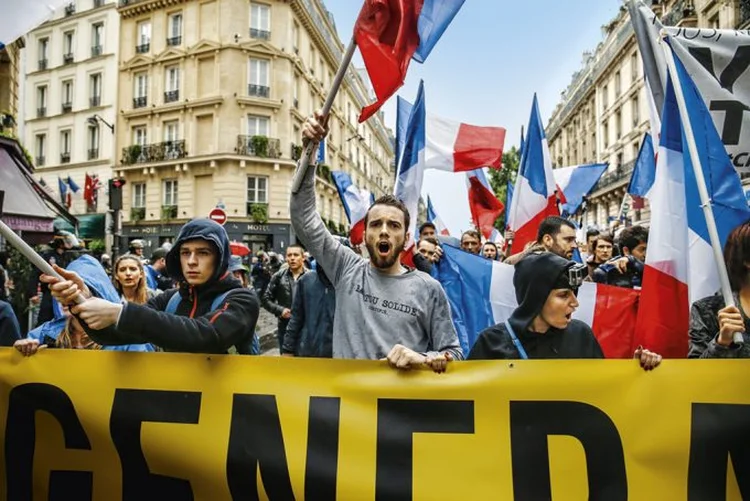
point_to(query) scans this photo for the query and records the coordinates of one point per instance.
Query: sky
(487, 67)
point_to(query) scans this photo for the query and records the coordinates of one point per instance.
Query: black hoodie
(536, 275)
(193, 327)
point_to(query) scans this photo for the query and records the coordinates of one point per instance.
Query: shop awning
(20, 197)
(90, 226)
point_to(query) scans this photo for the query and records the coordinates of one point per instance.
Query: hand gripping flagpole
(32, 255)
(708, 212)
(304, 162)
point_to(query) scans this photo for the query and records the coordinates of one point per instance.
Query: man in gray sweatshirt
(383, 309)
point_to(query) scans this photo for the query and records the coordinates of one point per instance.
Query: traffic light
(115, 193)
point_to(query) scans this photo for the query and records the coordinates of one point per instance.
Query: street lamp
(95, 122)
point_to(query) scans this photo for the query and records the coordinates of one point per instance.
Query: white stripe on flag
(502, 292)
(587, 304)
(441, 137)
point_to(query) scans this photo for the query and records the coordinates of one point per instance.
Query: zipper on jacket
(195, 301)
(222, 310)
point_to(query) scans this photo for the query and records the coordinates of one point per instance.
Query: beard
(384, 262)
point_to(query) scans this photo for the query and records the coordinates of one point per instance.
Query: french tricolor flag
(434, 218)
(356, 203)
(458, 147)
(534, 194)
(481, 294)
(680, 266)
(644, 173)
(576, 182)
(485, 207)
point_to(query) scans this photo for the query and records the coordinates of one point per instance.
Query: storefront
(266, 237)
(153, 235)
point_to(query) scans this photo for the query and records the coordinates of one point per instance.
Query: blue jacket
(10, 331)
(92, 273)
(310, 329)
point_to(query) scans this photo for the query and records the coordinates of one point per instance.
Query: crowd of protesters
(335, 301)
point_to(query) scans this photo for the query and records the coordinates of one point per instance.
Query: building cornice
(78, 16)
(133, 8)
(202, 159)
(186, 105)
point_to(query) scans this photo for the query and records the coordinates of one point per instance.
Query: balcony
(260, 34)
(68, 58)
(143, 48)
(40, 161)
(258, 212)
(168, 212)
(137, 214)
(41, 112)
(258, 90)
(65, 158)
(296, 152)
(93, 154)
(258, 146)
(621, 173)
(98, 3)
(156, 152)
(96, 50)
(95, 101)
(67, 107)
(70, 9)
(681, 11)
(140, 102)
(174, 41)
(744, 14)
(42, 64)
(171, 96)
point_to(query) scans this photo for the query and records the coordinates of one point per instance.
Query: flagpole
(13, 239)
(708, 212)
(648, 57)
(304, 162)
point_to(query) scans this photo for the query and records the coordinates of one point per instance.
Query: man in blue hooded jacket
(209, 311)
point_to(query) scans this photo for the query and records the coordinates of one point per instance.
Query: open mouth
(384, 248)
(569, 315)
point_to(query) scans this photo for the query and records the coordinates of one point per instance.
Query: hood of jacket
(204, 229)
(535, 276)
(95, 278)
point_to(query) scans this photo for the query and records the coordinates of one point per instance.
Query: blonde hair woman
(129, 278)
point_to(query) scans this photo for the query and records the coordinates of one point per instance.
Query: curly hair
(141, 297)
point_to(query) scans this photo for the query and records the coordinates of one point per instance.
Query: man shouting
(383, 309)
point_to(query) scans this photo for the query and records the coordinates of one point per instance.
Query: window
(43, 49)
(605, 98)
(634, 66)
(295, 37)
(171, 131)
(636, 149)
(257, 126)
(260, 21)
(68, 47)
(139, 195)
(93, 139)
(257, 78)
(605, 134)
(41, 147)
(313, 59)
(170, 192)
(140, 92)
(41, 101)
(175, 29)
(95, 89)
(143, 43)
(257, 190)
(172, 78)
(139, 136)
(618, 84)
(97, 39)
(65, 146)
(67, 96)
(295, 91)
(618, 124)
(636, 111)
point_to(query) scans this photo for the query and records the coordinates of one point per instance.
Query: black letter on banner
(20, 439)
(130, 409)
(256, 439)
(398, 420)
(532, 422)
(322, 448)
(718, 431)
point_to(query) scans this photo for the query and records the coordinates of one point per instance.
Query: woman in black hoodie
(542, 326)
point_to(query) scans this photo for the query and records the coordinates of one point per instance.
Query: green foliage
(130, 154)
(11, 135)
(342, 229)
(259, 145)
(499, 181)
(296, 151)
(137, 214)
(168, 212)
(21, 272)
(324, 172)
(258, 213)
(332, 227)
(97, 246)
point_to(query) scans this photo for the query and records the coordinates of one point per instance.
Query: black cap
(158, 254)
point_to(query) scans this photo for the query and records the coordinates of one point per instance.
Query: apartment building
(10, 89)
(603, 114)
(69, 105)
(212, 98)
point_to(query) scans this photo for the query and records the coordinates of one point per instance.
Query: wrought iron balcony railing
(93, 153)
(140, 102)
(260, 34)
(96, 50)
(143, 48)
(43, 64)
(40, 160)
(65, 158)
(620, 173)
(258, 90)
(171, 96)
(156, 152)
(744, 13)
(70, 9)
(258, 146)
(68, 58)
(41, 112)
(67, 107)
(95, 101)
(174, 40)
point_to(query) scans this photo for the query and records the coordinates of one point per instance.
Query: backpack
(251, 347)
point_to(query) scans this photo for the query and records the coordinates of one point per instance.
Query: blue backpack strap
(219, 300)
(516, 341)
(173, 303)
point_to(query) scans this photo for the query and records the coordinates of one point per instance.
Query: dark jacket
(10, 331)
(422, 263)
(704, 330)
(609, 274)
(310, 330)
(278, 296)
(194, 327)
(535, 276)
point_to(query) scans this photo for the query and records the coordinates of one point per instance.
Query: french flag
(534, 194)
(481, 294)
(432, 216)
(389, 33)
(458, 147)
(680, 266)
(484, 205)
(576, 182)
(644, 173)
(410, 168)
(356, 203)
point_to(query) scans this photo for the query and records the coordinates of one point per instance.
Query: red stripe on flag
(615, 316)
(527, 232)
(477, 147)
(357, 232)
(664, 315)
(485, 207)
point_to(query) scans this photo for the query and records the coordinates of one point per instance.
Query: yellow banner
(135, 426)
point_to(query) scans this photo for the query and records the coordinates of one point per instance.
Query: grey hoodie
(374, 311)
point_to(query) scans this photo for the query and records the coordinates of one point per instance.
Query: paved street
(266, 329)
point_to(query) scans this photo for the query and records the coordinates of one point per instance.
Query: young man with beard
(279, 294)
(556, 235)
(384, 310)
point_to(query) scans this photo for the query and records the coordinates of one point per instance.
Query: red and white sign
(218, 215)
